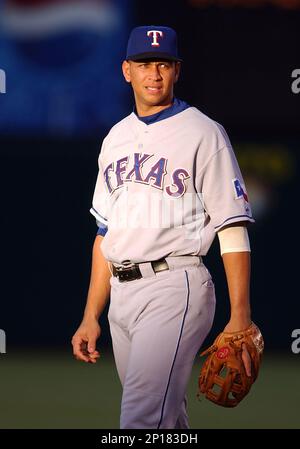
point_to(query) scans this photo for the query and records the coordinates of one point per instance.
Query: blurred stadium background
(64, 90)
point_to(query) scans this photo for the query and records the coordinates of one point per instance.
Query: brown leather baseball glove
(223, 379)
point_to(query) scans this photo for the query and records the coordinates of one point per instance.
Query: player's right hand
(84, 341)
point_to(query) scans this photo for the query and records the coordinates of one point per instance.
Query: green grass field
(52, 390)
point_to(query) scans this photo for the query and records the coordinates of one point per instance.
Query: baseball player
(168, 182)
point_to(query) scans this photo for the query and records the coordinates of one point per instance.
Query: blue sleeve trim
(247, 217)
(102, 230)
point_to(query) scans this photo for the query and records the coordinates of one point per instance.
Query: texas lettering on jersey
(121, 171)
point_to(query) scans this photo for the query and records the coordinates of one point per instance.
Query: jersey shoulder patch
(239, 190)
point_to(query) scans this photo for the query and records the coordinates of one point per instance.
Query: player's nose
(154, 72)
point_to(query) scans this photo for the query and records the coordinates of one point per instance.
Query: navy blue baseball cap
(147, 42)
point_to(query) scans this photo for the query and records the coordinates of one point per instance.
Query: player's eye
(165, 65)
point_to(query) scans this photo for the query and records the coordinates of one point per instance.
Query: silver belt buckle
(126, 265)
(129, 272)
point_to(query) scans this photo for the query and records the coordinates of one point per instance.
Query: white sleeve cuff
(234, 239)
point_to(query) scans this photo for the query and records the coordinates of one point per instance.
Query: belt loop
(181, 261)
(146, 270)
(170, 263)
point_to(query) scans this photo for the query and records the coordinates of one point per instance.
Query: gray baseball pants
(158, 324)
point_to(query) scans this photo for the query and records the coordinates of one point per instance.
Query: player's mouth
(153, 90)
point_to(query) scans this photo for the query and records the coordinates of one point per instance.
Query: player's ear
(177, 70)
(126, 71)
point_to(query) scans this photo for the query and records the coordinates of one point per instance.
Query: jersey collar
(176, 107)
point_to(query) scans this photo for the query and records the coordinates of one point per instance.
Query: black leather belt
(130, 271)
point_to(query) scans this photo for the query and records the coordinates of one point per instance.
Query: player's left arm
(235, 250)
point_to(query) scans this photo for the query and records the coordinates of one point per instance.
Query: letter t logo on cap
(155, 34)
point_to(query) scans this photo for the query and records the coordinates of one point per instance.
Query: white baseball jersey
(166, 188)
